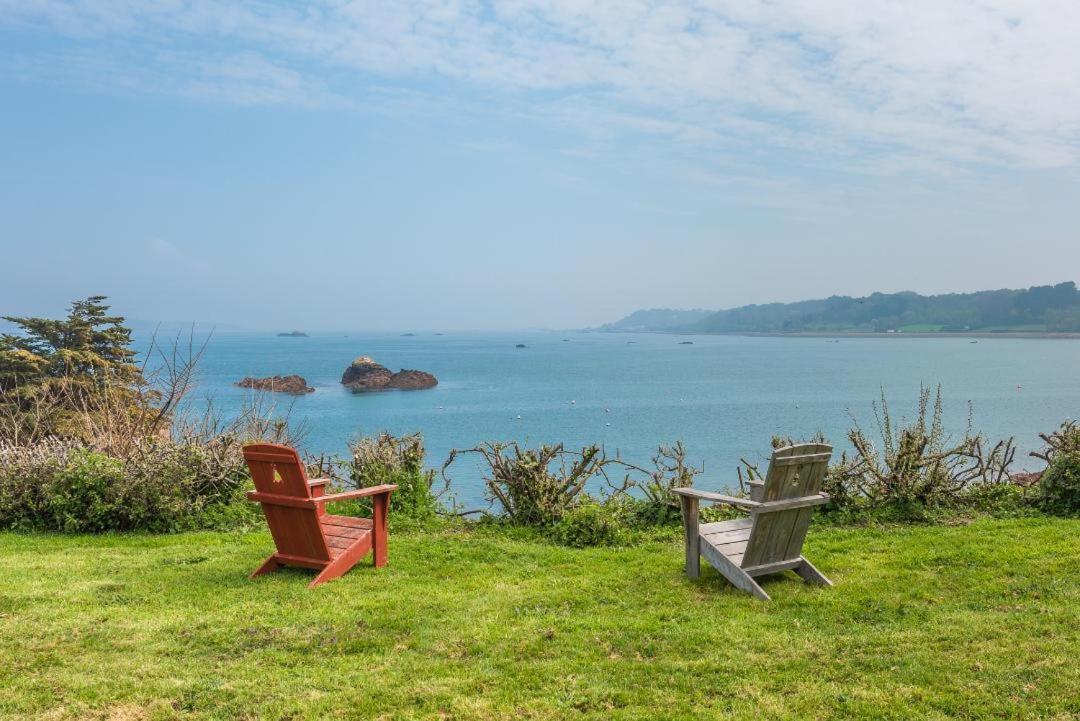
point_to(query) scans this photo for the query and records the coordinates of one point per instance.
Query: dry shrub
(536, 486)
(1064, 441)
(915, 466)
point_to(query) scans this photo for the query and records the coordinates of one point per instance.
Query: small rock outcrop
(278, 384)
(364, 374)
(293, 334)
(412, 380)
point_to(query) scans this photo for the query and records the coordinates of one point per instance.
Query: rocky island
(293, 334)
(278, 384)
(364, 374)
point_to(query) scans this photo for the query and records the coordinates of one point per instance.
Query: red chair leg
(269, 566)
(379, 507)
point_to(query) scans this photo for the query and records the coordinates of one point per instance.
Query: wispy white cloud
(925, 85)
(168, 253)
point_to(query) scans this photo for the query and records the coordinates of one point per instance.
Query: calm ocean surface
(724, 396)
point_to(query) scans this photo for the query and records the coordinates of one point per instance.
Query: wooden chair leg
(810, 574)
(379, 506)
(736, 576)
(691, 536)
(340, 565)
(334, 569)
(751, 586)
(269, 566)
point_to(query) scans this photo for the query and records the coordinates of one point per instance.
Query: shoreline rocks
(294, 384)
(364, 374)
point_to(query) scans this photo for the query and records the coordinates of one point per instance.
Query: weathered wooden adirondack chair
(771, 539)
(305, 534)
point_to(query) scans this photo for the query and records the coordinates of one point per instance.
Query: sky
(519, 164)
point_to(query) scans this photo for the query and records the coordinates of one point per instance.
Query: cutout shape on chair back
(277, 469)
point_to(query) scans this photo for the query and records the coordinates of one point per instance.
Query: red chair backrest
(278, 470)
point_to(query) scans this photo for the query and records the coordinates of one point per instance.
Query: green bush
(88, 494)
(387, 459)
(591, 523)
(1059, 487)
(536, 486)
(162, 487)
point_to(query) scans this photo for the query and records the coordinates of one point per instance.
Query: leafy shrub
(27, 476)
(165, 487)
(88, 494)
(592, 523)
(388, 459)
(536, 486)
(1059, 487)
(540, 486)
(998, 500)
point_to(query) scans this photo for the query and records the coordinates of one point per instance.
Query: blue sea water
(723, 396)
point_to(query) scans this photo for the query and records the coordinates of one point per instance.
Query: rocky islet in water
(365, 374)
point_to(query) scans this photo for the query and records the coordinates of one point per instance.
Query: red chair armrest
(358, 493)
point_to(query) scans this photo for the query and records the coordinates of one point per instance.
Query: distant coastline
(1047, 311)
(1045, 335)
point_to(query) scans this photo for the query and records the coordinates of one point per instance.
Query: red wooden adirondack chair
(305, 534)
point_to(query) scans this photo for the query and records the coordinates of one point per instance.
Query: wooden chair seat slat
(729, 547)
(723, 526)
(344, 531)
(339, 542)
(742, 534)
(348, 521)
(305, 535)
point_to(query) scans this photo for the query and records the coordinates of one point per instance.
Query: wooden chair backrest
(794, 472)
(278, 470)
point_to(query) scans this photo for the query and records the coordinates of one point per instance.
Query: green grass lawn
(1031, 328)
(976, 621)
(921, 328)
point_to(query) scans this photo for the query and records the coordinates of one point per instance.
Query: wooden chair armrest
(757, 490)
(312, 482)
(716, 497)
(277, 499)
(787, 504)
(358, 493)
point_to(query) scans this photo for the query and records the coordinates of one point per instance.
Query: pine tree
(72, 365)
